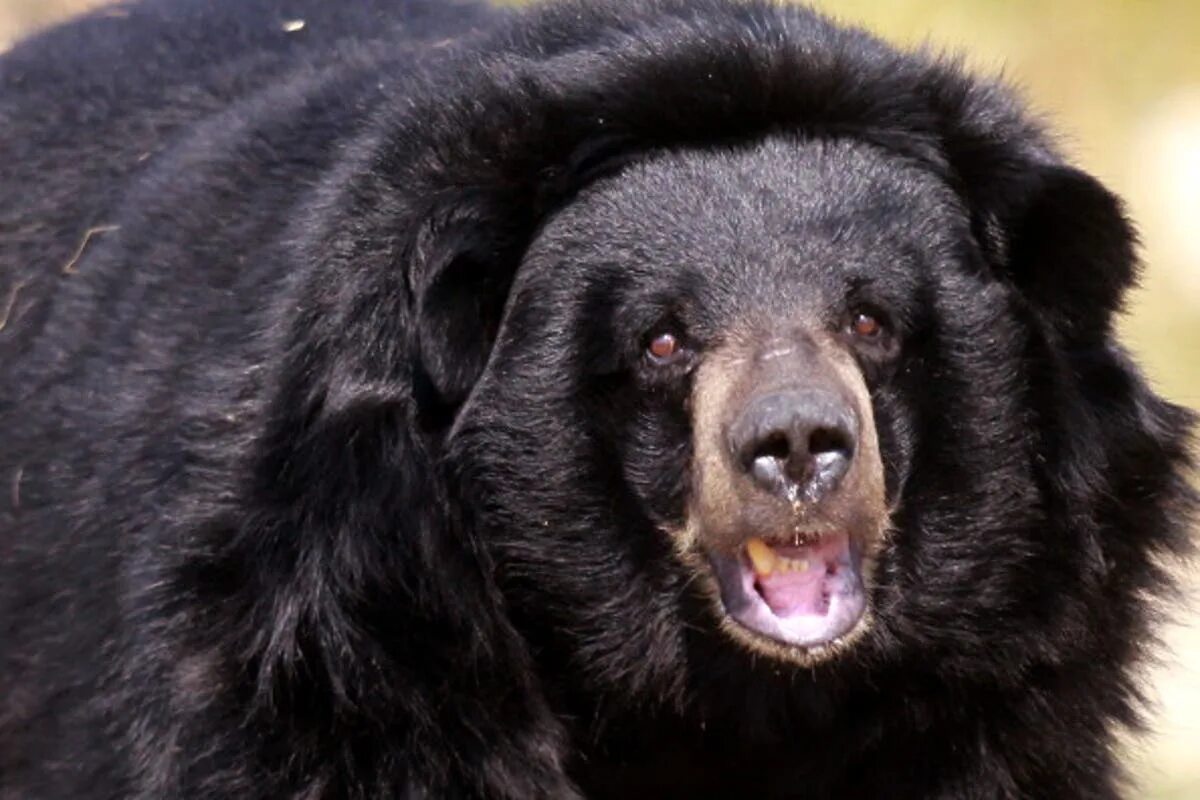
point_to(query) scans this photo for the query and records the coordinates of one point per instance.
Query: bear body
(669, 398)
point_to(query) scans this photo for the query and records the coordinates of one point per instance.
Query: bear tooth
(792, 564)
(762, 557)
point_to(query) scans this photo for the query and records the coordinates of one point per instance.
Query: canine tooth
(762, 557)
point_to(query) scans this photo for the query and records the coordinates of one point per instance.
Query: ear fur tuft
(1071, 252)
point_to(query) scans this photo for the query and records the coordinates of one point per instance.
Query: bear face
(674, 324)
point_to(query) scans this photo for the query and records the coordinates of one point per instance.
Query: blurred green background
(1120, 81)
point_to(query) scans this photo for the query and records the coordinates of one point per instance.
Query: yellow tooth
(791, 564)
(762, 557)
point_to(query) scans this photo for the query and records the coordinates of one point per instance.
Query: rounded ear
(469, 258)
(1065, 243)
(458, 313)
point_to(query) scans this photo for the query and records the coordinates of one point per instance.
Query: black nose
(796, 444)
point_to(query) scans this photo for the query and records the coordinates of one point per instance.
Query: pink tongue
(790, 593)
(806, 592)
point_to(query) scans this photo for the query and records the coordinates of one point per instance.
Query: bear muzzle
(788, 507)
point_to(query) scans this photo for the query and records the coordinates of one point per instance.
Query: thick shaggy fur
(327, 475)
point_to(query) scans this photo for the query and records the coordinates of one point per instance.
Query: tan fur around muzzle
(727, 508)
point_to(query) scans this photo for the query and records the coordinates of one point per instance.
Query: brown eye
(664, 347)
(865, 325)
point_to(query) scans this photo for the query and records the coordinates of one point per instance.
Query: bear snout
(797, 444)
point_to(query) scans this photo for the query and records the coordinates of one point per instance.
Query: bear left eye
(868, 325)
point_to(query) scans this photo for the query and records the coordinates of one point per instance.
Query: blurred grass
(1121, 81)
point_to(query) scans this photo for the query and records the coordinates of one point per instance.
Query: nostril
(775, 446)
(828, 440)
(767, 461)
(794, 444)
(831, 449)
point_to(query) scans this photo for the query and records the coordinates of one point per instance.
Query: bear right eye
(665, 348)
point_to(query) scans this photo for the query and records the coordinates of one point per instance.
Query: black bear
(696, 398)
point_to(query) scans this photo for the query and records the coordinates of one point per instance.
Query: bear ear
(1065, 243)
(458, 311)
(468, 258)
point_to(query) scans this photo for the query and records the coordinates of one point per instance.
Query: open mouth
(805, 591)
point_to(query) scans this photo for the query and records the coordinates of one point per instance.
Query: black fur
(333, 471)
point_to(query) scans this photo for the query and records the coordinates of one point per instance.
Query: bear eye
(866, 325)
(664, 348)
